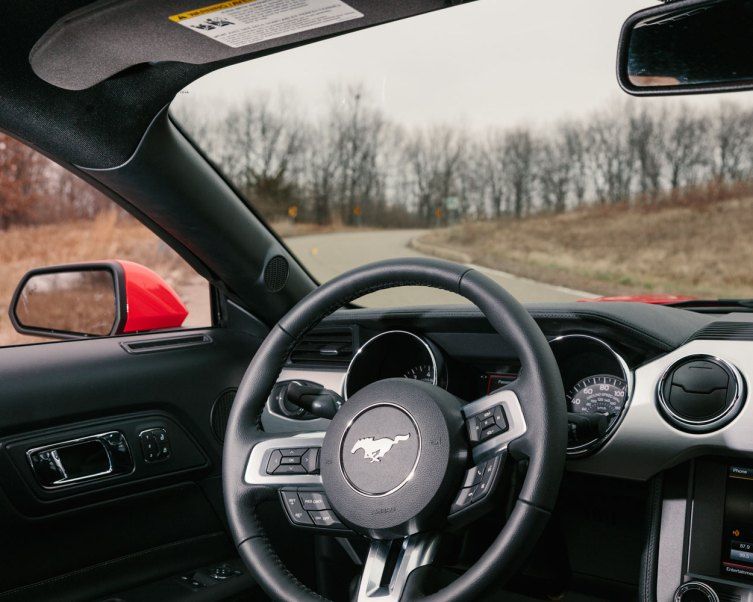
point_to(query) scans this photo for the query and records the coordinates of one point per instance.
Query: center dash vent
(324, 347)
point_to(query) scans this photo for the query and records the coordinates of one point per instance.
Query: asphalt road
(327, 255)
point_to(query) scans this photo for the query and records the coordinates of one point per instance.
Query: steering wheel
(400, 459)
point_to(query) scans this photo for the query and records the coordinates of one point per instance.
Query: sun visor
(106, 37)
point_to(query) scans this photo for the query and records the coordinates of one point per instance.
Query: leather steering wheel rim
(539, 387)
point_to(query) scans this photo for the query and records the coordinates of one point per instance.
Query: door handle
(81, 460)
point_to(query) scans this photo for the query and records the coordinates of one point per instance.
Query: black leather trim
(650, 557)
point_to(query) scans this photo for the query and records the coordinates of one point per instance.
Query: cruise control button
(473, 475)
(274, 461)
(294, 508)
(313, 500)
(325, 518)
(310, 460)
(290, 469)
(499, 418)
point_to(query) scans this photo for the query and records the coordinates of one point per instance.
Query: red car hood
(659, 299)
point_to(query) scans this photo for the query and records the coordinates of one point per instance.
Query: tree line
(34, 190)
(354, 165)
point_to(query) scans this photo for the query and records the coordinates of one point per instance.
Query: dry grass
(700, 249)
(288, 229)
(109, 236)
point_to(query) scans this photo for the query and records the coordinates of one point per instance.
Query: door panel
(111, 533)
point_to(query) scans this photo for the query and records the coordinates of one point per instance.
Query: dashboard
(647, 387)
(658, 399)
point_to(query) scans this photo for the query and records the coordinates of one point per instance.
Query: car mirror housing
(94, 299)
(687, 47)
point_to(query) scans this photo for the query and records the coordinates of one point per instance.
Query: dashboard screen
(737, 541)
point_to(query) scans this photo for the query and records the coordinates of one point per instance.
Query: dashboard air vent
(324, 347)
(701, 393)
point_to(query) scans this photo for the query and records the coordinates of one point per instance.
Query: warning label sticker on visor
(238, 23)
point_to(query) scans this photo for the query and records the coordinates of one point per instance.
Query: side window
(49, 217)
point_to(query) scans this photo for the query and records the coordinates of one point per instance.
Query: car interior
(302, 446)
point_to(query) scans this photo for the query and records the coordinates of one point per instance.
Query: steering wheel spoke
(390, 563)
(290, 464)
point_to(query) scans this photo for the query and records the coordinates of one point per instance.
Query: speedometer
(601, 394)
(423, 372)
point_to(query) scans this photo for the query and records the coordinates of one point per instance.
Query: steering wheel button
(490, 432)
(293, 453)
(313, 500)
(294, 509)
(290, 469)
(474, 429)
(486, 414)
(499, 418)
(487, 422)
(274, 461)
(290, 460)
(474, 475)
(310, 460)
(325, 518)
(465, 498)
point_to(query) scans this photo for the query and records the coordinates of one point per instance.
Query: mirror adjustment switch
(155, 445)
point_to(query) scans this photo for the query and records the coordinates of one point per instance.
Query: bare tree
(684, 148)
(519, 159)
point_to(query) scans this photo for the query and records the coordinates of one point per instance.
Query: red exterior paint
(152, 303)
(659, 299)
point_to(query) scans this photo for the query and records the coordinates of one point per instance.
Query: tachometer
(421, 372)
(600, 394)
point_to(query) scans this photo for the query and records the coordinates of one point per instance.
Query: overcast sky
(491, 62)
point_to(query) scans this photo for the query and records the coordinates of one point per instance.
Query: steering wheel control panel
(293, 461)
(485, 425)
(478, 482)
(309, 508)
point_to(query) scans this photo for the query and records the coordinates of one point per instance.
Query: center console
(705, 551)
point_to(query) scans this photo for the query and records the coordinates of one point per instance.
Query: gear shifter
(313, 398)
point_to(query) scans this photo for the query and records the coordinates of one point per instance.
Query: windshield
(493, 134)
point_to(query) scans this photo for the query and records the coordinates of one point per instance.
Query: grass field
(699, 249)
(109, 236)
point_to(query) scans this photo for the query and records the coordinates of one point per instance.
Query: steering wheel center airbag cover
(393, 456)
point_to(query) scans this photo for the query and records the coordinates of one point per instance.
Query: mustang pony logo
(375, 449)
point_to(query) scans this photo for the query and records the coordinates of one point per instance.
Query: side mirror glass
(67, 302)
(688, 47)
(94, 300)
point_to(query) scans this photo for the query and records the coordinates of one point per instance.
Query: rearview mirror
(687, 47)
(94, 300)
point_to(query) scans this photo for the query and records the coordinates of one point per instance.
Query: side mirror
(686, 47)
(93, 300)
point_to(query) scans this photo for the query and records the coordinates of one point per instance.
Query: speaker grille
(276, 274)
(221, 413)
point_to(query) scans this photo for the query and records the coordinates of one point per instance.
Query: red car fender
(152, 304)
